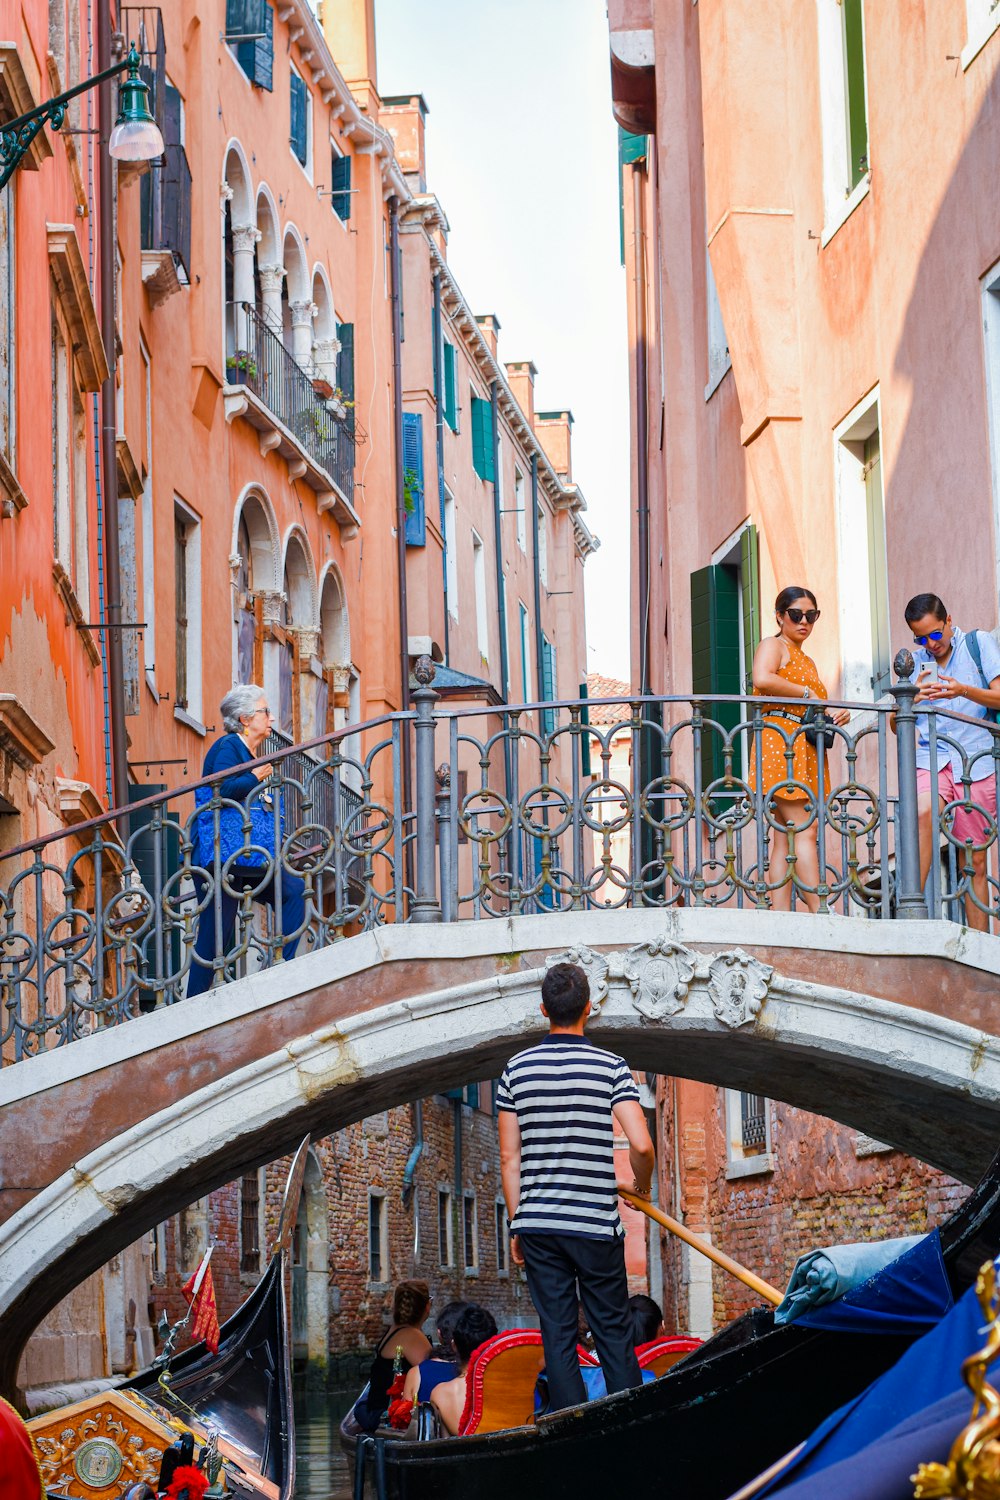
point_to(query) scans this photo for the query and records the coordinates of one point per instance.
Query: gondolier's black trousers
(562, 1268)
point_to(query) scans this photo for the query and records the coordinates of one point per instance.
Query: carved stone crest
(738, 986)
(594, 965)
(659, 974)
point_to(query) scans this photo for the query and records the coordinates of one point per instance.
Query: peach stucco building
(812, 252)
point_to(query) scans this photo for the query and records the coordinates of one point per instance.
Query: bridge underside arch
(177, 1103)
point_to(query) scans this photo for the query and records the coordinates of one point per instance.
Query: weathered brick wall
(828, 1185)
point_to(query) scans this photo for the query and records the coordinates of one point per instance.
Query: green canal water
(321, 1471)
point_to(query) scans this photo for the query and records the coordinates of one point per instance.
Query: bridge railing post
(425, 907)
(910, 900)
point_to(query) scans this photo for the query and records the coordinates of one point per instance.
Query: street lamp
(135, 136)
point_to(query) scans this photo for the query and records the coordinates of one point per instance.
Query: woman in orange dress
(781, 669)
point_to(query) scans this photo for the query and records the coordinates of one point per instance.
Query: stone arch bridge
(887, 1027)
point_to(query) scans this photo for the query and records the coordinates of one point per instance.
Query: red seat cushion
(500, 1381)
(660, 1354)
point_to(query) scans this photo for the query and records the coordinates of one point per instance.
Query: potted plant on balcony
(322, 387)
(339, 404)
(240, 368)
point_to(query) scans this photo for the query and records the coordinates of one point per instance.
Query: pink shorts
(969, 822)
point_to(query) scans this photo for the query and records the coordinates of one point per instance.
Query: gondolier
(556, 1104)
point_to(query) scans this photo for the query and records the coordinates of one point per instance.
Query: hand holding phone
(929, 674)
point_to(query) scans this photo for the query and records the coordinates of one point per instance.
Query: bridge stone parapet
(888, 1027)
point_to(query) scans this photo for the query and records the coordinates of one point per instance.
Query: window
(8, 368)
(451, 554)
(543, 548)
(378, 1248)
(525, 631)
(503, 1240)
(748, 1134)
(483, 457)
(864, 585)
(718, 344)
(187, 610)
(984, 18)
(301, 120)
(250, 1224)
(470, 1240)
(70, 521)
(844, 107)
(716, 656)
(445, 1248)
(345, 369)
(413, 478)
(549, 684)
(479, 579)
(250, 33)
(519, 512)
(340, 185)
(450, 387)
(148, 549)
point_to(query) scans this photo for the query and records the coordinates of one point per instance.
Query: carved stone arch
(237, 184)
(334, 619)
(298, 580)
(297, 298)
(326, 345)
(270, 267)
(297, 638)
(310, 1275)
(254, 508)
(254, 569)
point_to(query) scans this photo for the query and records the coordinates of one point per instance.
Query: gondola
(718, 1418)
(237, 1401)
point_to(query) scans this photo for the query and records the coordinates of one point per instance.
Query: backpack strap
(975, 651)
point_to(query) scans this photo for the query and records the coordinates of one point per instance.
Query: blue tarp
(908, 1296)
(821, 1276)
(910, 1415)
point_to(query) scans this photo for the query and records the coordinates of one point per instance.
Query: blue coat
(242, 786)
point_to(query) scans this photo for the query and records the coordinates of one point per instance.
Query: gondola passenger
(403, 1345)
(442, 1362)
(476, 1326)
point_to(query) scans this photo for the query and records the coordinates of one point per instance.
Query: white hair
(239, 704)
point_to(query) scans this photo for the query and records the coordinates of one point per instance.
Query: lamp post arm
(17, 135)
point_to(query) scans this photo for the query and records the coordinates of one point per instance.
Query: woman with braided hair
(403, 1345)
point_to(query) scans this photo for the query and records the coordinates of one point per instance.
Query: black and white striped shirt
(562, 1092)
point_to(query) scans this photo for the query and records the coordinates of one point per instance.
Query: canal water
(321, 1471)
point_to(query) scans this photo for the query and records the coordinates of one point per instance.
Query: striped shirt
(562, 1092)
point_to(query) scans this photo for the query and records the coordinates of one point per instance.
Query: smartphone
(928, 673)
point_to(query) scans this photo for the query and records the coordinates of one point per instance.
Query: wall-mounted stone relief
(659, 975)
(738, 986)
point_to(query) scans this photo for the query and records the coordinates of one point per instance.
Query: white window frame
(479, 579)
(80, 430)
(470, 1268)
(451, 552)
(524, 633)
(520, 512)
(335, 150)
(543, 546)
(739, 1161)
(148, 534)
(307, 165)
(983, 20)
(502, 1237)
(449, 1220)
(193, 714)
(62, 442)
(719, 361)
(839, 200)
(854, 601)
(378, 1195)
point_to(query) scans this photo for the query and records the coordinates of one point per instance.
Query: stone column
(302, 320)
(245, 239)
(271, 278)
(324, 358)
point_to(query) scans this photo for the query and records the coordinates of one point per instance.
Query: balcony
(266, 386)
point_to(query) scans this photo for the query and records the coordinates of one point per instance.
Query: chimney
(489, 327)
(349, 28)
(403, 115)
(521, 379)
(554, 430)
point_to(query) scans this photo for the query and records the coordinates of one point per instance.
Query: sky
(522, 154)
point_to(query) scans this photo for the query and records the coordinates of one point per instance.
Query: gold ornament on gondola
(973, 1468)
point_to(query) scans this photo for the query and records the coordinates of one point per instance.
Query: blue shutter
(482, 439)
(250, 30)
(299, 130)
(450, 390)
(340, 187)
(548, 685)
(413, 465)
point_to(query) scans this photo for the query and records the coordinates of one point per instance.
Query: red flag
(199, 1293)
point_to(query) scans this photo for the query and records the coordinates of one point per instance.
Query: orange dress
(801, 669)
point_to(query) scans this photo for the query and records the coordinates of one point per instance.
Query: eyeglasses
(932, 635)
(798, 615)
(263, 710)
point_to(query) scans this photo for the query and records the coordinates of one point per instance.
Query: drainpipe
(641, 421)
(416, 1153)
(397, 429)
(458, 1209)
(536, 578)
(109, 423)
(439, 440)
(508, 752)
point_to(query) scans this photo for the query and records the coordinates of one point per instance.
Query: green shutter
(450, 387)
(548, 685)
(630, 148)
(750, 591)
(413, 470)
(482, 440)
(345, 369)
(716, 657)
(250, 31)
(854, 69)
(878, 576)
(298, 133)
(340, 186)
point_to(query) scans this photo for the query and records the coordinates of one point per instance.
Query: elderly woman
(224, 844)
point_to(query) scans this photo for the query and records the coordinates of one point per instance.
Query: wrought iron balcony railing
(165, 207)
(142, 907)
(260, 361)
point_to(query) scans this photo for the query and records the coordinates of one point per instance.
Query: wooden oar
(762, 1288)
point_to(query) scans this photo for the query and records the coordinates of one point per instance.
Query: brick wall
(827, 1185)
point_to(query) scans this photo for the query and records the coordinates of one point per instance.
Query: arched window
(254, 575)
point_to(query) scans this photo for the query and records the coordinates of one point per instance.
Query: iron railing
(260, 361)
(165, 207)
(101, 920)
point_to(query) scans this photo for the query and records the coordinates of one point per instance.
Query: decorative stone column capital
(271, 278)
(245, 238)
(302, 313)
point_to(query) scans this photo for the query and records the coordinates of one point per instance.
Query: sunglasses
(933, 635)
(798, 615)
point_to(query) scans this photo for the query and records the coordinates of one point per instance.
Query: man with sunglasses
(970, 686)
